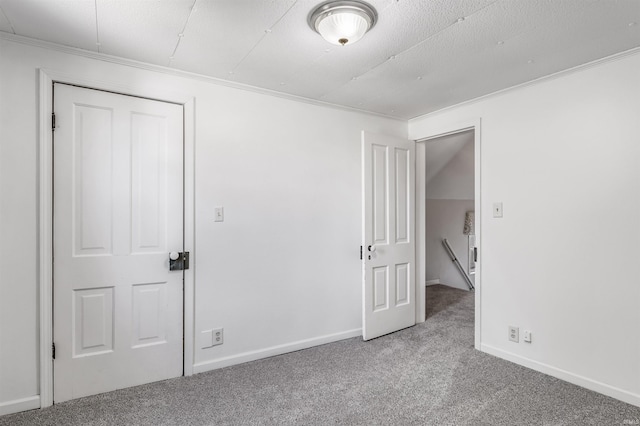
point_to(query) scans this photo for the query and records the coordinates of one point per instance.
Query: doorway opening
(448, 222)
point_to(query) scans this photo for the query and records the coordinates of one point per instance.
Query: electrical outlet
(514, 334)
(527, 336)
(218, 336)
(210, 338)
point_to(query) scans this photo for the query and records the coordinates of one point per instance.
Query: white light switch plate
(219, 214)
(497, 209)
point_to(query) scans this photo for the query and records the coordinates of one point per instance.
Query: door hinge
(360, 252)
(53, 121)
(53, 351)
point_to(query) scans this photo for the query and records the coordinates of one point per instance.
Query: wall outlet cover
(514, 334)
(218, 336)
(210, 338)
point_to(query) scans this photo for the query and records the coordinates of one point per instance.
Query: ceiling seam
(184, 27)
(263, 36)
(445, 29)
(406, 50)
(13, 30)
(95, 8)
(408, 83)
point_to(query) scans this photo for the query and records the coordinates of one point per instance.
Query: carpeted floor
(425, 375)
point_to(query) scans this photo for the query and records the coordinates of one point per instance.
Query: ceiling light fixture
(342, 22)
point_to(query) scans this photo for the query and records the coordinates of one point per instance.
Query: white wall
(562, 155)
(282, 271)
(455, 180)
(18, 233)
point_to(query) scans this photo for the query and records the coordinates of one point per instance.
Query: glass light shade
(343, 27)
(342, 22)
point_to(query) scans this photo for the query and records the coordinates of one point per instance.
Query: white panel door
(118, 212)
(388, 186)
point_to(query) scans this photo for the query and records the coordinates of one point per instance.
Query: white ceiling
(419, 58)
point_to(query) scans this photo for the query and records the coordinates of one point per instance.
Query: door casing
(45, 213)
(474, 125)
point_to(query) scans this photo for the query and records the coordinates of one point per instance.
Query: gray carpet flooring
(424, 375)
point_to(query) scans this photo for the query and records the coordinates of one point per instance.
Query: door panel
(93, 321)
(148, 169)
(379, 194)
(403, 198)
(92, 218)
(388, 234)
(149, 327)
(380, 288)
(402, 284)
(118, 212)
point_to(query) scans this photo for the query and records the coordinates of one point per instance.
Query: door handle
(178, 261)
(371, 250)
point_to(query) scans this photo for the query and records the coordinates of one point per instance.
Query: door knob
(371, 249)
(178, 261)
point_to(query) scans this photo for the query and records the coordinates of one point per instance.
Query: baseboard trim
(432, 282)
(273, 351)
(18, 405)
(613, 392)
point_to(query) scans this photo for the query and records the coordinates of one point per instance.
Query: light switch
(219, 214)
(497, 209)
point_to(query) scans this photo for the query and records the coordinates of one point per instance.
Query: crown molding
(544, 78)
(184, 74)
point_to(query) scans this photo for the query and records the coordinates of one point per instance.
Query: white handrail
(454, 258)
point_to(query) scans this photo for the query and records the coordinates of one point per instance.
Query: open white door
(388, 189)
(118, 212)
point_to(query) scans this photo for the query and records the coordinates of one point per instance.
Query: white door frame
(421, 217)
(45, 212)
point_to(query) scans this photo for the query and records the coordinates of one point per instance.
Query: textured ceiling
(423, 55)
